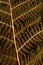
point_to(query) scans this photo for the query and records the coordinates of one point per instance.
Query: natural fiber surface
(21, 32)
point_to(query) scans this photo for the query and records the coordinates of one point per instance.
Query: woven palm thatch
(21, 32)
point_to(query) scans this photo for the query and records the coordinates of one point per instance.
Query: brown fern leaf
(21, 32)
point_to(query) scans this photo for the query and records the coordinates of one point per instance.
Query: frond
(21, 32)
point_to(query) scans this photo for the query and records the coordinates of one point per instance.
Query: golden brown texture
(21, 32)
